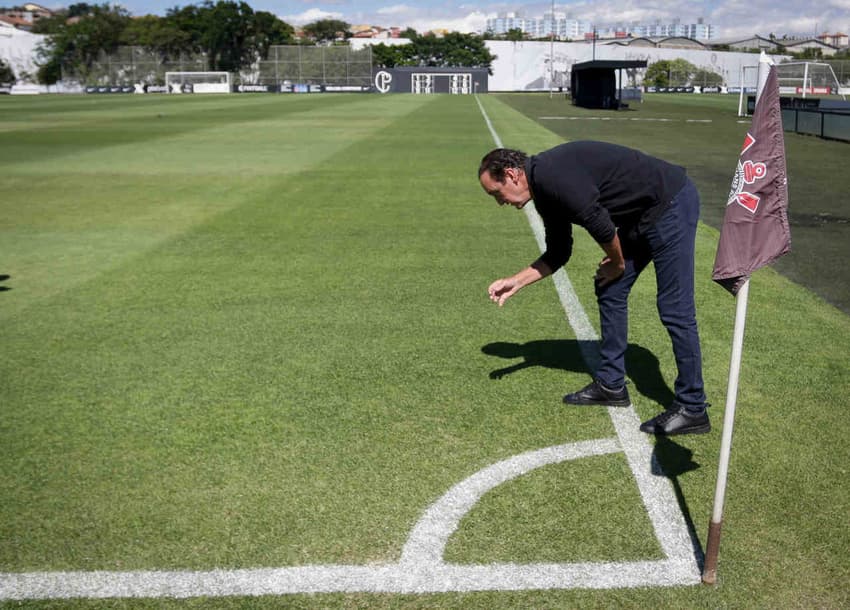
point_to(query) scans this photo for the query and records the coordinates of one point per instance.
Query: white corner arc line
(421, 568)
(428, 539)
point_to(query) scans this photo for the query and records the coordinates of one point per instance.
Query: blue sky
(732, 17)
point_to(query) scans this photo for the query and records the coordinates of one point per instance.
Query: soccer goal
(198, 82)
(808, 78)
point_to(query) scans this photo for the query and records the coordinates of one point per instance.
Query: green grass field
(248, 332)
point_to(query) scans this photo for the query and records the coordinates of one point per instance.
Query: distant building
(774, 45)
(800, 46)
(24, 17)
(697, 31)
(374, 31)
(837, 40)
(565, 28)
(542, 27)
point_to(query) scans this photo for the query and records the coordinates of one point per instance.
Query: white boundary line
(421, 568)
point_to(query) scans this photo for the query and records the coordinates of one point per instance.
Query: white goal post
(198, 82)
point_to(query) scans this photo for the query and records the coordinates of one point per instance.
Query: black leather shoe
(596, 394)
(677, 420)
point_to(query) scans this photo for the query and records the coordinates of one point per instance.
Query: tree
(452, 50)
(327, 30)
(7, 75)
(189, 20)
(226, 28)
(515, 34)
(706, 78)
(268, 30)
(386, 56)
(679, 72)
(52, 24)
(76, 46)
(81, 9)
(158, 35)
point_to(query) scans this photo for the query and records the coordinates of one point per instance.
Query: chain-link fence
(339, 66)
(131, 65)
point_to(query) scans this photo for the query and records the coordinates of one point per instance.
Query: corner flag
(755, 227)
(755, 232)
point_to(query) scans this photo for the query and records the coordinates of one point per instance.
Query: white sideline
(421, 568)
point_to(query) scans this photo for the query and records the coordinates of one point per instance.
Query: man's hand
(613, 265)
(609, 271)
(503, 289)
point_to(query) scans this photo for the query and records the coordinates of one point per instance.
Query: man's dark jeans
(670, 245)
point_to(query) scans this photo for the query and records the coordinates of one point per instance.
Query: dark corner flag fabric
(755, 228)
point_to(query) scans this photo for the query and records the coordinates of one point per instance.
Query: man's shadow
(668, 458)
(3, 278)
(570, 355)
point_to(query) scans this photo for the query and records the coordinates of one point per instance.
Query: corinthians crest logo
(747, 173)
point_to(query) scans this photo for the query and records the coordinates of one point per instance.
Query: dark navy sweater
(600, 186)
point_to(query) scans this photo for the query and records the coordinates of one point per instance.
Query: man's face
(513, 191)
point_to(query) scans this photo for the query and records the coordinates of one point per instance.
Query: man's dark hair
(498, 160)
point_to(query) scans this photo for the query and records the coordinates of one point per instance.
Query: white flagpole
(709, 573)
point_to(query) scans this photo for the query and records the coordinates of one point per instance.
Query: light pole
(552, 51)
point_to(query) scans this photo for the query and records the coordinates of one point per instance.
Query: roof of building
(612, 64)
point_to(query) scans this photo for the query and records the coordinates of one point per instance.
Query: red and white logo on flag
(744, 180)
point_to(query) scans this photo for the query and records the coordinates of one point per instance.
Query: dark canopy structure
(594, 83)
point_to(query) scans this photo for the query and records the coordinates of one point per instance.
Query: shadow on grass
(3, 278)
(566, 354)
(671, 460)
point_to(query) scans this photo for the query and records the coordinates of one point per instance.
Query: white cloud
(424, 20)
(311, 15)
(398, 9)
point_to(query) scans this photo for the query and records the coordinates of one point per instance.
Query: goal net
(807, 78)
(198, 82)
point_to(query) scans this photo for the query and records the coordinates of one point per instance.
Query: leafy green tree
(268, 30)
(658, 74)
(226, 30)
(229, 33)
(515, 34)
(7, 75)
(52, 24)
(681, 72)
(189, 20)
(677, 73)
(158, 35)
(81, 9)
(452, 50)
(327, 30)
(390, 56)
(706, 78)
(76, 46)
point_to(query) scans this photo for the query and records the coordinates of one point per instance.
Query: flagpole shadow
(671, 460)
